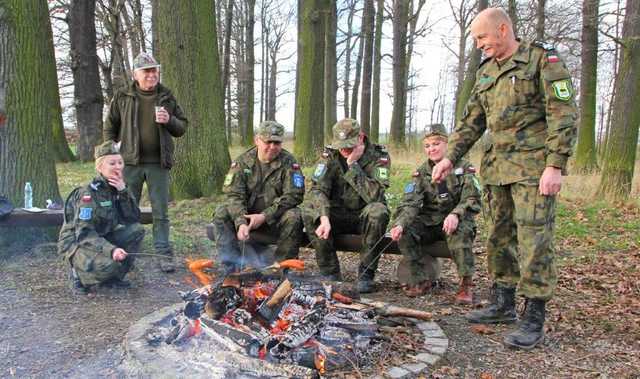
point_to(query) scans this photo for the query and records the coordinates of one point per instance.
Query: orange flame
(196, 266)
(319, 361)
(195, 328)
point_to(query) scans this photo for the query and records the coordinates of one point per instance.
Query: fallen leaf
(486, 375)
(482, 329)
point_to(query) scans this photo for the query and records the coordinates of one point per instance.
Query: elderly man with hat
(263, 189)
(445, 211)
(347, 196)
(145, 117)
(101, 226)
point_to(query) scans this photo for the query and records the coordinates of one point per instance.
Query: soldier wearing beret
(101, 226)
(430, 212)
(347, 196)
(524, 98)
(263, 189)
(145, 118)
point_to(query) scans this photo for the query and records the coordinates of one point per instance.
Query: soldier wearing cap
(101, 226)
(430, 212)
(263, 189)
(144, 118)
(524, 99)
(347, 196)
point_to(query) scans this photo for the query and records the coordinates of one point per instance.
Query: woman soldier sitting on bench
(101, 226)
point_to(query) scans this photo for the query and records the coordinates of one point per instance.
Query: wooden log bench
(52, 217)
(353, 243)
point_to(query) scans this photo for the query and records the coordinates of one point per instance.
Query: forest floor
(592, 329)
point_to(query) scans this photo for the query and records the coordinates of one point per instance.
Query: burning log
(385, 309)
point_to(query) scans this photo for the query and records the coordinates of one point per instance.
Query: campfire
(279, 317)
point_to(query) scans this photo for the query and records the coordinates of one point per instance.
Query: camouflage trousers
(418, 235)
(95, 266)
(157, 179)
(520, 248)
(371, 222)
(288, 229)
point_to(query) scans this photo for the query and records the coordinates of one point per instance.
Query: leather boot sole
(514, 345)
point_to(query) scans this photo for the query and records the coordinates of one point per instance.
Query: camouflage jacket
(527, 103)
(93, 211)
(121, 124)
(459, 193)
(349, 188)
(249, 190)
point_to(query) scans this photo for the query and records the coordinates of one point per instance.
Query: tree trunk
(470, 77)
(330, 68)
(540, 16)
(120, 78)
(356, 82)
(272, 97)
(346, 83)
(190, 64)
(228, 26)
(619, 160)
(512, 10)
(88, 99)
(400, 19)
(368, 19)
(586, 147)
(26, 105)
(247, 138)
(309, 123)
(374, 133)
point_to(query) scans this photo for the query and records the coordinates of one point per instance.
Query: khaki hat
(436, 130)
(107, 148)
(270, 131)
(345, 134)
(144, 60)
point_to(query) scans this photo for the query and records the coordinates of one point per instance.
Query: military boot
(530, 332)
(75, 284)
(465, 292)
(167, 263)
(502, 309)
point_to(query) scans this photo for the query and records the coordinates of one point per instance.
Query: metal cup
(158, 108)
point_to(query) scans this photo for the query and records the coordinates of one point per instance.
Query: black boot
(502, 309)
(530, 332)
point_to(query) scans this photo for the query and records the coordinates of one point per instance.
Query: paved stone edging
(434, 347)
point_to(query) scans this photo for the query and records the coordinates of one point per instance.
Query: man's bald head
(493, 31)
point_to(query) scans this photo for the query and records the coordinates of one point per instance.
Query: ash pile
(275, 322)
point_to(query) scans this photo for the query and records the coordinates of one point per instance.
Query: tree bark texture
(26, 110)
(374, 133)
(189, 56)
(512, 10)
(247, 138)
(540, 16)
(228, 27)
(619, 159)
(353, 113)
(309, 122)
(346, 83)
(87, 93)
(330, 71)
(398, 120)
(368, 19)
(586, 147)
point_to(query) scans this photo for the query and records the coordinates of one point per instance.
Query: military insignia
(320, 170)
(552, 58)
(247, 171)
(295, 166)
(384, 161)
(85, 213)
(485, 80)
(105, 203)
(342, 135)
(298, 180)
(410, 187)
(86, 198)
(562, 89)
(415, 174)
(325, 155)
(228, 179)
(458, 171)
(470, 170)
(382, 173)
(234, 164)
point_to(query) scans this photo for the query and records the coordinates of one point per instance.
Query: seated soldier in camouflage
(348, 197)
(101, 226)
(263, 188)
(431, 212)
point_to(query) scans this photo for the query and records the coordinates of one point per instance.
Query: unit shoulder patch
(562, 89)
(85, 213)
(298, 180)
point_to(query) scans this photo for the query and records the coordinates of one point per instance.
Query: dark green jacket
(527, 104)
(93, 211)
(427, 201)
(280, 187)
(349, 188)
(122, 124)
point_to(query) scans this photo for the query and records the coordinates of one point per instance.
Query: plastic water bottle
(28, 196)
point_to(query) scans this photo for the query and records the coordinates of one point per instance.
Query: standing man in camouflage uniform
(348, 197)
(263, 189)
(101, 226)
(445, 211)
(145, 117)
(523, 95)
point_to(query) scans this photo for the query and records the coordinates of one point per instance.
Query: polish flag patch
(553, 59)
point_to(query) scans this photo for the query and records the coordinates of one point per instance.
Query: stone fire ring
(166, 361)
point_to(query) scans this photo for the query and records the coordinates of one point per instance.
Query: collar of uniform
(98, 182)
(277, 162)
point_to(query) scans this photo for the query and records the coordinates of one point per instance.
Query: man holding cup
(145, 117)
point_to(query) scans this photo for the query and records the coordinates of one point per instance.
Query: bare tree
(346, 83)
(330, 70)
(400, 21)
(368, 19)
(540, 16)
